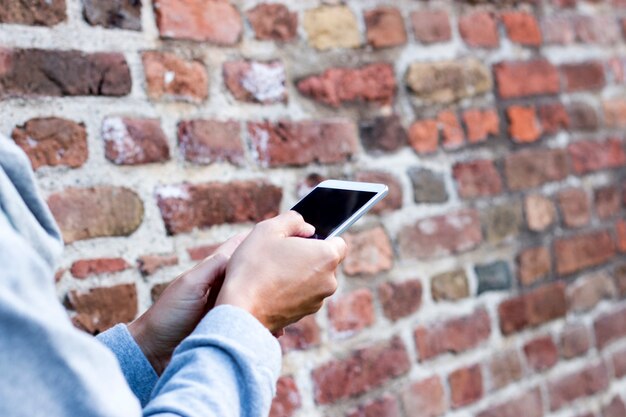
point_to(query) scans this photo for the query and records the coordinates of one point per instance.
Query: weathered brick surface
(255, 81)
(449, 286)
(272, 21)
(609, 327)
(466, 385)
(362, 370)
(52, 141)
(85, 213)
(522, 28)
(583, 76)
(101, 308)
(37, 12)
(502, 222)
(529, 404)
(583, 251)
(431, 26)
(540, 212)
(86, 267)
(149, 264)
(479, 29)
(425, 398)
(477, 178)
(385, 27)
(504, 368)
(351, 312)
(382, 134)
(122, 14)
(369, 252)
(374, 82)
(589, 156)
(215, 21)
(301, 143)
(531, 168)
(588, 291)
(384, 406)
(185, 206)
(526, 78)
(428, 186)
(39, 72)
(575, 340)
(287, 399)
(171, 77)
(494, 276)
(393, 200)
(590, 379)
(330, 27)
(208, 141)
(574, 207)
(130, 141)
(400, 299)
(301, 335)
(534, 308)
(523, 124)
(442, 235)
(454, 335)
(541, 353)
(481, 124)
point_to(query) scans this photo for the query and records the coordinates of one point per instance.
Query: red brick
(479, 29)
(289, 143)
(523, 124)
(384, 27)
(369, 252)
(481, 124)
(400, 299)
(541, 353)
(425, 398)
(558, 30)
(540, 212)
(529, 404)
(130, 141)
(86, 213)
(466, 386)
(478, 178)
(256, 81)
(98, 309)
(209, 141)
(583, 251)
(610, 327)
(583, 116)
(451, 131)
(615, 113)
(575, 340)
(186, 206)
(526, 78)
(113, 14)
(601, 29)
(583, 76)
(589, 156)
(574, 207)
(34, 12)
(619, 363)
(214, 21)
(589, 380)
(533, 167)
(616, 408)
(393, 200)
(553, 117)
(533, 265)
(607, 201)
(361, 371)
(443, 235)
(86, 267)
(532, 309)
(522, 28)
(287, 399)
(504, 368)
(172, 77)
(382, 134)
(564, 3)
(39, 72)
(273, 22)
(198, 253)
(586, 292)
(52, 141)
(453, 336)
(386, 406)
(373, 82)
(301, 335)
(351, 312)
(620, 229)
(424, 136)
(431, 26)
(149, 264)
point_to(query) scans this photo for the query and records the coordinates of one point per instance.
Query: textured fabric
(227, 367)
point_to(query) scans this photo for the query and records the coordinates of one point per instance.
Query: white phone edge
(381, 191)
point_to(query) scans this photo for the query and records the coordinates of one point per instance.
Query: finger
(230, 246)
(292, 224)
(340, 246)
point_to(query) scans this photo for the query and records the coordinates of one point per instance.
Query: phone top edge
(353, 185)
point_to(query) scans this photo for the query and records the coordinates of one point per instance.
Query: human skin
(272, 272)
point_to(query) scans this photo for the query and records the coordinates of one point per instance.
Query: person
(183, 356)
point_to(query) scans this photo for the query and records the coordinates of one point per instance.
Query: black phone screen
(328, 208)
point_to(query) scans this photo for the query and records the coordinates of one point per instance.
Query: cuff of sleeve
(136, 368)
(243, 328)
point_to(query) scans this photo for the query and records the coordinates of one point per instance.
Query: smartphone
(333, 206)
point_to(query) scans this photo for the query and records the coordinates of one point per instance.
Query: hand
(181, 306)
(279, 277)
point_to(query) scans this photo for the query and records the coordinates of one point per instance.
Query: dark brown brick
(33, 12)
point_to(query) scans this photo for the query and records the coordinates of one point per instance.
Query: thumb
(340, 246)
(292, 224)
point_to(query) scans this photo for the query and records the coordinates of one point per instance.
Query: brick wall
(491, 282)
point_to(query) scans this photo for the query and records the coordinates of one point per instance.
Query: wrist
(140, 331)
